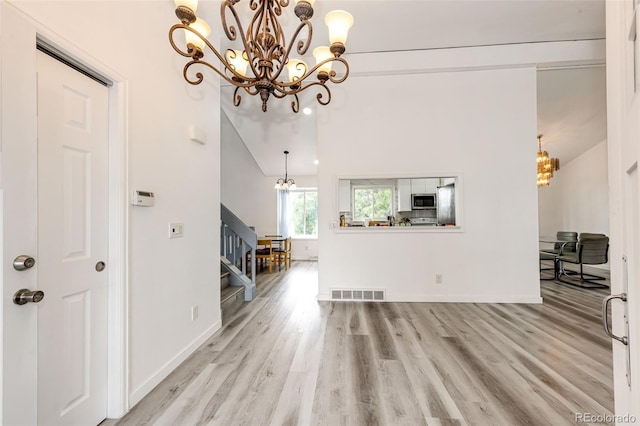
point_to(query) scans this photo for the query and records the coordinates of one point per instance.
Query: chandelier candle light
(285, 183)
(258, 67)
(546, 165)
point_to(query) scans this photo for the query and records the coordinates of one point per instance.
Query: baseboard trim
(137, 395)
(309, 258)
(444, 298)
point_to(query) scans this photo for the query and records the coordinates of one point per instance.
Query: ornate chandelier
(258, 66)
(285, 183)
(546, 165)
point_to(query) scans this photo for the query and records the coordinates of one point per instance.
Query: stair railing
(236, 240)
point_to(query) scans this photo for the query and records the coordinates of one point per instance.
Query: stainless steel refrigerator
(446, 206)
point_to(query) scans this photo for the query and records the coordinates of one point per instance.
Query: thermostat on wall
(142, 198)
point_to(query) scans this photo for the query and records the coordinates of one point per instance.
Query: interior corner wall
(244, 189)
(578, 197)
(249, 194)
(481, 124)
(166, 276)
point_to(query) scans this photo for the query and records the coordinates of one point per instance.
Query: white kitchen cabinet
(418, 186)
(431, 186)
(344, 195)
(425, 185)
(447, 181)
(404, 195)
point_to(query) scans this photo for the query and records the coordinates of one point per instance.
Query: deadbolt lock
(23, 262)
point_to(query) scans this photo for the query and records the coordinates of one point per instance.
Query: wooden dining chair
(265, 251)
(283, 254)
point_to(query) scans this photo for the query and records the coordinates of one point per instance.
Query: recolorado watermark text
(605, 418)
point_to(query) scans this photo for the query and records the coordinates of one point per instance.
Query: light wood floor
(286, 359)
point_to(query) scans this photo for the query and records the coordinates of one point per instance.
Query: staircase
(231, 297)
(236, 241)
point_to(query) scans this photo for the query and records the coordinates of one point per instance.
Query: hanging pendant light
(546, 165)
(285, 183)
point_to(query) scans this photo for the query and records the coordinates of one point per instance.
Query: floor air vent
(358, 295)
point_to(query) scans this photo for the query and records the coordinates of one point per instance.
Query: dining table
(553, 239)
(275, 239)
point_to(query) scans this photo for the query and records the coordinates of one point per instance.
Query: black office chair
(569, 246)
(591, 249)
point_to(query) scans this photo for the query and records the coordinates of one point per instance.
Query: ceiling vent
(358, 295)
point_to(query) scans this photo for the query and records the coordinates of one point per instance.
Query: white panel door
(72, 240)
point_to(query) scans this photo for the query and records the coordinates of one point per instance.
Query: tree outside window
(372, 203)
(303, 213)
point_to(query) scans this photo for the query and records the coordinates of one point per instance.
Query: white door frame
(18, 172)
(623, 110)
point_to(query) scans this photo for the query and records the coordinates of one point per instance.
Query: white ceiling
(572, 115)
(571, 102)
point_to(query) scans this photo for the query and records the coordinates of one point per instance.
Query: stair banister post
(253, 264)
(243, 258)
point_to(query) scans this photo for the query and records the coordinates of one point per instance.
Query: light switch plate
(176, 230)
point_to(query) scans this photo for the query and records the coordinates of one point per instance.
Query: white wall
(166, 277)
(249, 193)
(304, 249)
(244, 189)
(578, 197)
(479, 123)
(549, 206)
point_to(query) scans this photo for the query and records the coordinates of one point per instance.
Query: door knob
(24, 296)
(23, 262)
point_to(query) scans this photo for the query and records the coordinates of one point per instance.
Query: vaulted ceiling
(571, 101)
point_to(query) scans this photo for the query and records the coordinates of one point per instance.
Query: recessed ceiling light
(307, 111)
(316, 162)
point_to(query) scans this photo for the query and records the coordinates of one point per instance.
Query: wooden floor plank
(431, 394)
(287, 359)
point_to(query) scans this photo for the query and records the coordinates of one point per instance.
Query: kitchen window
(302, 213)
(372, 203)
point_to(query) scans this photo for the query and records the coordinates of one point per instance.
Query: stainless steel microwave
(423, 201)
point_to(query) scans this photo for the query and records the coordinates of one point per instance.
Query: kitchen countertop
(397, 229)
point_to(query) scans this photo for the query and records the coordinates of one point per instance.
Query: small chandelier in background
(285, 183)
(546, 165)
(259, 64)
